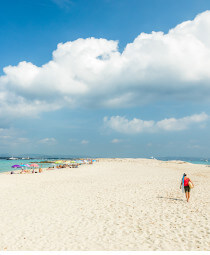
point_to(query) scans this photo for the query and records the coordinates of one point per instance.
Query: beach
(113, 205)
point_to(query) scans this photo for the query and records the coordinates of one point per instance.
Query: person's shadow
(176, 199)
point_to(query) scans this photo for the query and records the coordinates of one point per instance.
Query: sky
(105, 78)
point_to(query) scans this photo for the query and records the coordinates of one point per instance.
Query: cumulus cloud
(173, 124)
(135, 126)
(93, 73)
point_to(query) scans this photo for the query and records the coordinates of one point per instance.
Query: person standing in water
(185, 186)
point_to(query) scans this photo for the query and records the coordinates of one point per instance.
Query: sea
(6, 164)
(193, 160)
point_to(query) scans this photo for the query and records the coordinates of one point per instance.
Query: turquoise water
(6, 165)
(203, 161)
(200, 162)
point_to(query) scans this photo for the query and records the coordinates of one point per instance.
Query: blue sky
(120, 78)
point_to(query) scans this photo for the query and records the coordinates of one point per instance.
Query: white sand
(114, 204)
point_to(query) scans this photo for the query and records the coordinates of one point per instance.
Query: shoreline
(62, 164)
(52, 168)
(159, 160)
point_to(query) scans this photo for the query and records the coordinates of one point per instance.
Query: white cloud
(115, 140)
(84, 142)
(47, 140)
(135, 126)
(5, 137)
(181, 124)
(92, 72)
(23, 140)
(11, 137)
(122, 125)
(8, 133)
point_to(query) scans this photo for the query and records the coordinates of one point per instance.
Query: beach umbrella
(79, 161)
(16, 166)
(59, 162)
(25, 165)
(34, 165)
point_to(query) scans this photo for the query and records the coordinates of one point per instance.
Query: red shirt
(186, 181)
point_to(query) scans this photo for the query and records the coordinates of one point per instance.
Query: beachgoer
(40, 170)
(185, 186)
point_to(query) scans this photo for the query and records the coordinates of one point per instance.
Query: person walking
(185, 186)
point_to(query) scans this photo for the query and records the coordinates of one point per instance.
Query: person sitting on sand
(185, 186)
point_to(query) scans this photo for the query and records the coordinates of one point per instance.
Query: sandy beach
(113, 204)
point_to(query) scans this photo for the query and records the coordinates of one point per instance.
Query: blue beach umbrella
(25, 165)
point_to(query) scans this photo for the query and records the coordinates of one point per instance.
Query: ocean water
(6, 165)
(200, 162)
(193, 160)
